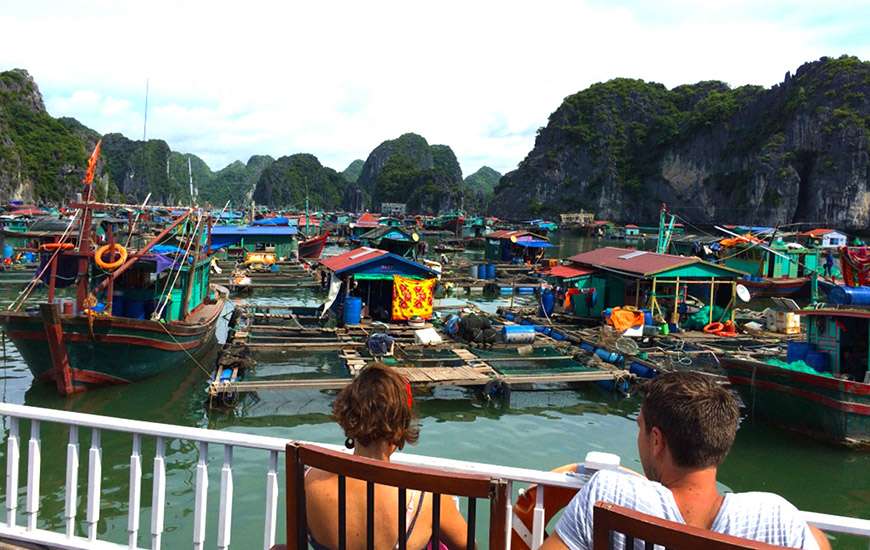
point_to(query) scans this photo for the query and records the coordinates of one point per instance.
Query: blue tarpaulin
(534, 244)
(272, 221)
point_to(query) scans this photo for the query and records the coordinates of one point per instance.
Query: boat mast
(190, 181)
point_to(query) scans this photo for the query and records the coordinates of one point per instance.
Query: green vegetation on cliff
(353, 170)
(286, 182)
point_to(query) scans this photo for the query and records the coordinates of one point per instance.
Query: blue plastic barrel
(608, 356)
(548, 302)
(475, 272)
(641, 370)
(352, 310)
(797, 351)
(850, 295)
(519, 334)
(647, 317)
(8, 251)
(118, 305)
(490, 271)
(586, 346)
(134, 309)
(818, 360)
(526, 290)
(505, 290)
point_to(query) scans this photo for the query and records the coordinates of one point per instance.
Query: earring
(349, 443)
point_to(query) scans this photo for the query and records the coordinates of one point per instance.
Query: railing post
(158, 495)
(72, 480)
(509, 515)
(225, 519)
(95, 479)
(134, 503)
(199, 513)
(12, 472)
(34, 462)
(271, 501)
(538, 519)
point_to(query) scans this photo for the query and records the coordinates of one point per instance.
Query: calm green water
(540, 429)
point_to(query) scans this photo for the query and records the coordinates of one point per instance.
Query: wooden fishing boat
(833, 407)
(777, 286)
(134, 315)
(313, 247)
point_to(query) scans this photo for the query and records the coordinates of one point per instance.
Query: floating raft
(264, 331)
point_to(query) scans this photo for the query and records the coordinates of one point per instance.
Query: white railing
(270, 447)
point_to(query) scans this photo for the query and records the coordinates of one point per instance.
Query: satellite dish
(743, 293)
(415, 237)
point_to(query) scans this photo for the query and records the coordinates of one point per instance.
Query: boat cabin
(837, 342)
(239, 239)
(380, 285)
(515, 246)
(392, 239)
(672, 287)
(363, 224)
(783, 260)
(823, 238)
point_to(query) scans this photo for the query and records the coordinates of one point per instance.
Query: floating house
(778, 269)
(374, 283)
(823, 238)
(396, 209)
(237, 240)
(662, 283)
(392, 239)
(515, 246)
(363, 224)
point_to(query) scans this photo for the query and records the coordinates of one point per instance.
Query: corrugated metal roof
(627, 260)
(356, 258)
(818, 232)
(568, 272)
(352, 258)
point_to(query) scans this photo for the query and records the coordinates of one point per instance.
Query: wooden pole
(712, 289)
(57, 350)
(676, 315)
(191, 273)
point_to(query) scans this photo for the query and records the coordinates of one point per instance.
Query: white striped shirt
(763, 517)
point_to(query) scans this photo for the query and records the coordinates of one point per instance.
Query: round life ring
(110, 266)
(555, 498)
(49, 247)
(714, 328)
(728, 329)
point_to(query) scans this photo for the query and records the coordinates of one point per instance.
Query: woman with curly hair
(375, 411)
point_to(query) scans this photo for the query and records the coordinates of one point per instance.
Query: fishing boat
(313, 247)
(450, 221)
(134, 314)
(823, 387)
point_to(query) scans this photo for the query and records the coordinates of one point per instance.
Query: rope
(192, 358)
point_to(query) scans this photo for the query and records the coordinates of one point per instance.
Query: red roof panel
(627, 260)
(352, 258)
(568, 272)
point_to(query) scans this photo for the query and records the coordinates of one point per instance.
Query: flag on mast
(92, 164)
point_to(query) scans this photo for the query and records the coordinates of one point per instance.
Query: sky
(228, 80)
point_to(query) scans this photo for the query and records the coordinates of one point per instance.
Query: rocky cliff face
(40, 158)
(798, 152)
(409, 170)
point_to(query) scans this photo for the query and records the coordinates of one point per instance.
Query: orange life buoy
(48, 247)
(110, 266)
(714, 328)
(728, 329)
(555, 498)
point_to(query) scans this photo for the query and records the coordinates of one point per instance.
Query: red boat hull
(312, 248)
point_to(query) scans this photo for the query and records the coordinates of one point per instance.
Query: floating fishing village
(653, 332)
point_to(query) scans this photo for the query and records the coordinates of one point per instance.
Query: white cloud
(231, 79)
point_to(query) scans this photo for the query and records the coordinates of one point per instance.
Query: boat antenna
(190, 181)
(145, 122)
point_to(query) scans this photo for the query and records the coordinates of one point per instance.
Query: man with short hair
(687, 424)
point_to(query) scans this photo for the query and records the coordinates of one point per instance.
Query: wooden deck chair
(471, 487)
(610, 519)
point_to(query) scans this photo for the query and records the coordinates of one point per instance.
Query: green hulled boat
(832, 403)
(134, 315)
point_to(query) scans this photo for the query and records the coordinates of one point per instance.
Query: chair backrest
(436, 482)
(609, 519)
